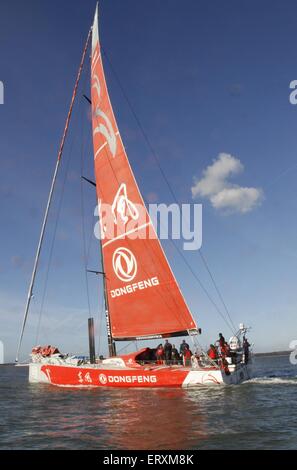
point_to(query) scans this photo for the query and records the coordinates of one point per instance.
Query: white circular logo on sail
(124, 264)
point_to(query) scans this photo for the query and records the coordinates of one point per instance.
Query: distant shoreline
(274, 353)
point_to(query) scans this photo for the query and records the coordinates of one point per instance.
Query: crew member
(167, 351)
(225, 350)
(221, 340)
(183, 346)
(187, 357)
(160, 354)
(174, 355)
(212, 352)
(246, 350)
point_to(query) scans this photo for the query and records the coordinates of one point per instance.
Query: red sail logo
(124, 264)
(122, 207)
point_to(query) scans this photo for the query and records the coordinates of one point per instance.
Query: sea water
(259, 414)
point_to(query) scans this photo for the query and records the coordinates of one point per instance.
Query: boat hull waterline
(153, 377)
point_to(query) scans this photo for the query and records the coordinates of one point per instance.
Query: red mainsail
(144, 298)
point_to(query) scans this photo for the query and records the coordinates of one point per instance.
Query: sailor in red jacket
(212, 352)
(160, 354)
(187, 356)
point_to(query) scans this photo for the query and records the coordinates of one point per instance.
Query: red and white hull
(159, 376)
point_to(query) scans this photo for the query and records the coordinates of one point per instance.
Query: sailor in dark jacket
(174, 355)
(168, 351)
(183, 347)
(246, 349)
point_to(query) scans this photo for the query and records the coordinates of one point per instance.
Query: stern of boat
(234, 376)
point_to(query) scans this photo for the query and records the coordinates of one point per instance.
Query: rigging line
(201, 285)
(105, 300)
(88, 145)
(162, 172)
(217, 289)
(203, 350)
(129, 241)
(186, 262)
(193, 273)
(196, 277)
(88, 250)
(157, 160)
(69, 157)
(53, 183)
(181, 254)
(85, 253)
(126, 346)
(111, 165)
(181, 316)
(91, 231)
(170, 293)
(52, 247)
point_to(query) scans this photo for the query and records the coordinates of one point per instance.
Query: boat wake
(273, 381)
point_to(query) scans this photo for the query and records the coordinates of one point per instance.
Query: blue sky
(204, 78)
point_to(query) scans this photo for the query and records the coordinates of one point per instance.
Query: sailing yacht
(143, 300)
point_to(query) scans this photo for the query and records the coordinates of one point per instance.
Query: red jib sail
(143, 295)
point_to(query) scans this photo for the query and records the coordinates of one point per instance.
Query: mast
(45, 218)
(91, 340)
(111, 343)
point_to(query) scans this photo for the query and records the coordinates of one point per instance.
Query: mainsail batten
(143, 296)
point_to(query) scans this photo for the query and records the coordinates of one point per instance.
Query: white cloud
(223, 195)
(237, 199)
